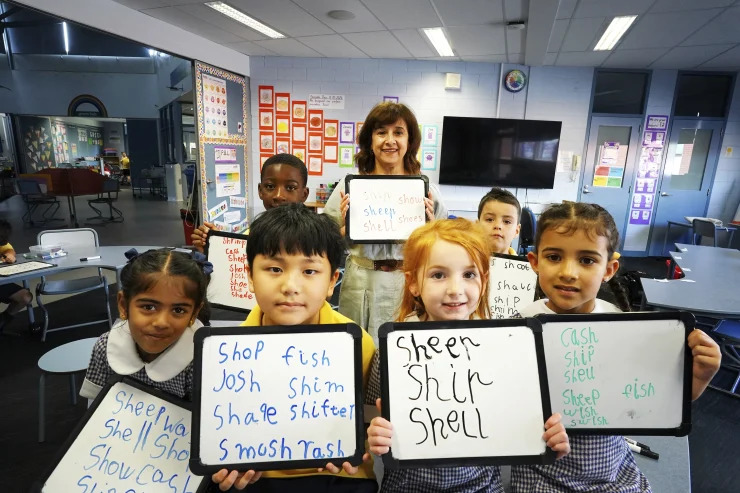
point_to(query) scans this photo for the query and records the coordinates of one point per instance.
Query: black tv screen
(490, 152)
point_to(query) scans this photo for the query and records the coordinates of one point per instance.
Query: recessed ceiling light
(437, 36)
(341, 15)
(617, 27)
(240, 16)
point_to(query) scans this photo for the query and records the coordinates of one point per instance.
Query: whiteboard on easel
(511, 286)
(229, 286)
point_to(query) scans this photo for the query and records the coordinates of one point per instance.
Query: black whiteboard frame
(520, 258)
(390, 462)
(348, 179)
(352, 329)
(114, 379)
(235, 236)
(689, 322)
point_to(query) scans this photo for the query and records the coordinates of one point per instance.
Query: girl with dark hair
(372, 283)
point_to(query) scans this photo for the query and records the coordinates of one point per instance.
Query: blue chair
(727, 335)
(527, 231)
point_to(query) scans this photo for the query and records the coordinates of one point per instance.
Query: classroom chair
(527, 231)
(704, 227)
(70, 239)
(108, 195)
(34, 195)
(727, 335)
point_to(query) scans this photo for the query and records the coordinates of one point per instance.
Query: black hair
(294, 228)
(288, 159)
(5, 230)
(594, 220)
(141, 273)
(500, 195)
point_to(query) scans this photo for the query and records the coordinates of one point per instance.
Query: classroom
(629, 105)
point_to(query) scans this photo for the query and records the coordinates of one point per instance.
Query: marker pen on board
(635, 442)
(641, 451)
(85, 259)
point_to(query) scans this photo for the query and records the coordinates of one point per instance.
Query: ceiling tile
(665, 30)
(189, 23)
(566, 9)
(415, 42)
(610, 8)
(477, 40)
(218, 19)
(378, 44)
(677, 5)
(287, 47)
(730, 58)
(641, 58)
(685, 57)
(144, 4)
(470, 12)
(557, 35)
(516, 10)
(283, 16)
(407, 14)
(581, 58)
(364, 19)
(582, 34)
(249, 48)
(332, 45)
(722, 29)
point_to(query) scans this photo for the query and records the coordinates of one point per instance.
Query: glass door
(688, 174)
(610, 165)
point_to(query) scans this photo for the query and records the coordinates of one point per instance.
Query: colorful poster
(227, 180)
(346, 156)
(429, 135)
(429, 159)
(214, 107)
(639, 216)
(225, 154)
(218, 210)
(238, 202)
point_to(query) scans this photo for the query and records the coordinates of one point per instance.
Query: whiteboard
(383, 208)
(482, 383)
(229, 286)
(133, 438)
(620, 373)
(511, 287)
(269, 398)
(21, 267)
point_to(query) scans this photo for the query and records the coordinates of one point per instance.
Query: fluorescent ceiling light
(240, 16)
(66, 38)
(614, 32)
(437, 36)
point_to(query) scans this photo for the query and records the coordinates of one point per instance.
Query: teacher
(373, 275)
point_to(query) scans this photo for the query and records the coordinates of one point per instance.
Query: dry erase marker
(641, 451)
(635, 442)
(85, 259)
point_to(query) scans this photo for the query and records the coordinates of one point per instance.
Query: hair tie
(616, 255)
(205, 265)
(131, 255)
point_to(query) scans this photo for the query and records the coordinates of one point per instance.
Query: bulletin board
(221, 106)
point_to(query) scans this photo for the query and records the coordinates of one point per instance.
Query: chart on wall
(37, 145)
(221, 105)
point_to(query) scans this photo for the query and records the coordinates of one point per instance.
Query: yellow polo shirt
(327, 316)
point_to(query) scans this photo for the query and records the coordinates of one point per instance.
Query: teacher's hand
(429, 203)
(343, 208)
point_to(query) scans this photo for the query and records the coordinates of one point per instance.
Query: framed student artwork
(299, 111)
(331, 130)
(346, 156)
(263, 158)
(390, 99)
(300, 152)
(429, 159)
(331, 150)
(266, 121)
(316, 120)
(299, 134)
(266, 95)
(282, 145)
(315, 144)
(315, 164)
(267, 142)
(347, 133)
(429, 135)
(282, 103)
(282, 125)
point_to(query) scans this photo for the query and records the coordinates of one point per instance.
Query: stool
(66, 359)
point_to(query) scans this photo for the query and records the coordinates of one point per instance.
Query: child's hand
(8, 257)
(707, 358)
(429, 203)
(348, 468)
(343, 208)
(198, 237)
(227, 479)
(379, 434)
(555, 436)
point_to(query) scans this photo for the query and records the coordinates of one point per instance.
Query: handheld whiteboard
(229, 286)
(384, 208)
(132, 438)
(268, 398)
(512, 285)
(464, 393)
(20, 267)
(620, 373)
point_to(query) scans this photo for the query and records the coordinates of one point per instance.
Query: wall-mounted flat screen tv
(499, 152)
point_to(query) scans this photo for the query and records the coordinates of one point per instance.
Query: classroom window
(620, 92)
(701, 95)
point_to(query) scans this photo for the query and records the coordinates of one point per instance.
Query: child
(446, 270)
(282, 180)
(575, 251)
(293, 258)
(499, 213)
(14, 295)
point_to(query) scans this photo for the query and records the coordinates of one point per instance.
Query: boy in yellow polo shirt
(499, 213)
(293, 257)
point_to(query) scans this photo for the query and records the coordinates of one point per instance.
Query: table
(690, 226)
(710, 287)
